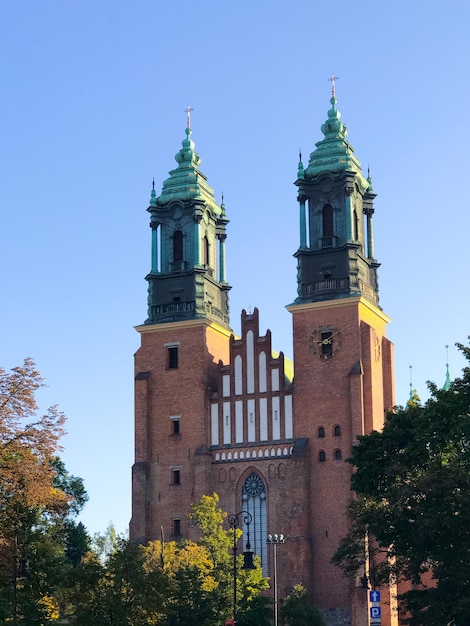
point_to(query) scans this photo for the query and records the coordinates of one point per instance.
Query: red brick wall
(306, 499)
(346, 389)
(160, 394)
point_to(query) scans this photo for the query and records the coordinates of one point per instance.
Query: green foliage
(297, 611)
(105, 544)
(209, 518)
(72, 486)
(219, 543)
(412, 482)
(40, 543)
(258, 612)
(167, 584)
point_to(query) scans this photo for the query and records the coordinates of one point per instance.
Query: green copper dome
(334, 153)
(187, 182)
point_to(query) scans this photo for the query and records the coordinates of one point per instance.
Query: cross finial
(332, 79)
(188, 110)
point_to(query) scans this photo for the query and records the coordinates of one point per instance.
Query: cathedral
(215, 412)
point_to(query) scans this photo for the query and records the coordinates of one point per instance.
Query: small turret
(448, 382)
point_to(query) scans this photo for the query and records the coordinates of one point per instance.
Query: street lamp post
(274, 540)
(234, 522)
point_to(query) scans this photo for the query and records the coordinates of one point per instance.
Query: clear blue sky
(92, 109)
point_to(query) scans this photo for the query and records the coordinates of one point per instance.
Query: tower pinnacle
(447, 383)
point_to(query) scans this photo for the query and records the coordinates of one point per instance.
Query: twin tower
(219, 413)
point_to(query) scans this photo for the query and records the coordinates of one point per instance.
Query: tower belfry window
(328, 221)
(177, 246)
(206, 251)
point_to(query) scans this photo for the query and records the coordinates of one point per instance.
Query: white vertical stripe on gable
(239, 421)
(227, 434)
(262, 372)
(250, 362)
(263, 419)
(251, 419)
(215, 424)
(226, 385)
(238, 375)
(288, 416)
(276, 418)
(275, 379)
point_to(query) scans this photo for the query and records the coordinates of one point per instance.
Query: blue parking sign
(375, 612)
(374, 596)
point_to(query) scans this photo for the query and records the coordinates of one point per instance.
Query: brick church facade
(220, 413)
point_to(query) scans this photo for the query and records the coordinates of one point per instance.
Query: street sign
(375, 612)
(374, 596)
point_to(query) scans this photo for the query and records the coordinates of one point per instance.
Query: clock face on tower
(325, 341)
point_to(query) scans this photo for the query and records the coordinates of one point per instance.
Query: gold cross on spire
(332, 79)
(188, 110)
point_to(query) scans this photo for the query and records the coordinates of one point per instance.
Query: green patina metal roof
(448, 382)
(186, 182)
(334, 153)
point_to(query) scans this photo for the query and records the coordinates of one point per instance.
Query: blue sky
(91, 110)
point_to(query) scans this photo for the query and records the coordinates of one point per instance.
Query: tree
(39, 539)
(28, 444)
(410, 517)
(192, 597)
(210, 518)
(297, 611)
(121, 591)
(168, 583)
(105, 544)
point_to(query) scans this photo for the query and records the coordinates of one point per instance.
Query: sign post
(375, 611)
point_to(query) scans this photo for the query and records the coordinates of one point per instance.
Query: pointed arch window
(321, 431)
(328, 221)
(254, 501)
(337, 431)
(177, 246)
(338, 455)
(322, 456)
